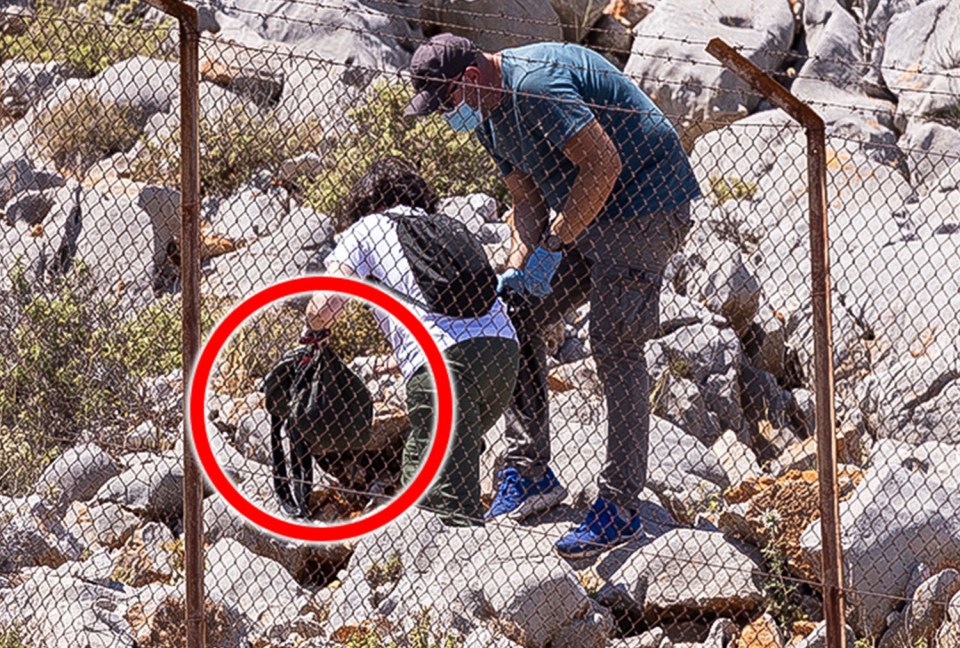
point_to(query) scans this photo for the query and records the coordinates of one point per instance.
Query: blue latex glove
(540, 270)
(511, 278)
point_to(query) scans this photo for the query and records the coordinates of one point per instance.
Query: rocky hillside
(296, 98)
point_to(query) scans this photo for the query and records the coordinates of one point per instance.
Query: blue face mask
(463, 118)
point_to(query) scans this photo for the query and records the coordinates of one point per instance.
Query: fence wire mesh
(660, 395)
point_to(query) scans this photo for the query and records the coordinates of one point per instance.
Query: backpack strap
(281, 483)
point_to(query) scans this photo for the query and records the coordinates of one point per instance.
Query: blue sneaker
(519, 497)
(602, 530)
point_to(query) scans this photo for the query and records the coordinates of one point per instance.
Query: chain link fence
(703, 325)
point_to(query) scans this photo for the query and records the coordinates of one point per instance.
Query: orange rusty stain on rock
(213, 246)
(927, 337)
(216, 72)
(795, 497)
(803, 628)
(557, 384)
(760, 633)
(838, 159)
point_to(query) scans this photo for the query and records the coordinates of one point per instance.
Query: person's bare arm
(325, 307)
(529, 217)
(599, 167)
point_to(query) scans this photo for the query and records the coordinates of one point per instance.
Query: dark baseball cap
(434, 64)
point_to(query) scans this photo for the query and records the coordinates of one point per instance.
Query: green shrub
(84, 40)
(946, 115)
(724, 188)
(453, 163)
(233, 146)
(357, 334)
(69, 363)
(10, 637)
(255, 347)
(22, 458)
(85, 129)
(57, 373)
(386, 572)
(151, 342)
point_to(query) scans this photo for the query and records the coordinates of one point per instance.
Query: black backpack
(322, 406)
(448, 263)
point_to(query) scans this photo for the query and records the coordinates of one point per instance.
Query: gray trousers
(617, 267)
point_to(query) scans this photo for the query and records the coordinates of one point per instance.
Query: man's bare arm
(325, 307)
(529, 217)
(599, 167)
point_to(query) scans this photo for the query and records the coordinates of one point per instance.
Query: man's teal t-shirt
(551, 90)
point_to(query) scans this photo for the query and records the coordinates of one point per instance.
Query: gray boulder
(929, 147)
(474, 211)
(249, 73)
(927, 609)
(718, 277)
(916, 57)
(818, 638)
(305, 562)
(253, 436)
(668, 58)
(121, 246)
(468, 577)
(358, 39)
(77, 474)
(680, 464)
(107, 525)
(493, 25)
(23, 84)
(680, 402)
(30, 208)
(19, 174)
(917, 400)
(30, 536)
(250, 213)
(737, 459)
(901, 515)
(577, 17)
(299, 246)
(147, 557)
(687, 570)
(707, 356)
(43, 251)
(150, 485)
(258, 587)
(149, 85)
(65, 610)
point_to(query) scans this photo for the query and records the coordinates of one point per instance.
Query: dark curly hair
(389, 182)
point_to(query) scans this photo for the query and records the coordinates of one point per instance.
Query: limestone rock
(668, 59)
(77, 474)
(484, 21)
(687, 570)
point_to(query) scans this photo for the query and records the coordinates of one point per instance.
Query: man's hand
(539, 272)
(314, 336)
(511, 279)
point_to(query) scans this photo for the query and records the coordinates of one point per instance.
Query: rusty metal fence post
(188, 19)
(832, 567)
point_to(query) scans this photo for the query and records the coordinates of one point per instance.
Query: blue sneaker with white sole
(519, 497)
(603, 529)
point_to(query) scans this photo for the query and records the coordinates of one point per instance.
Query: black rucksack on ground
(322, 406)
(448, 263)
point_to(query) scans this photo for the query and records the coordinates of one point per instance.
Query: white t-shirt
(371, 248)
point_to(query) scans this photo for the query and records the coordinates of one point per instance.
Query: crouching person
(439, 270)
